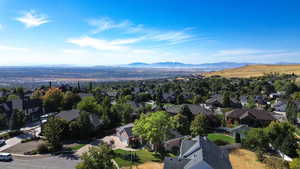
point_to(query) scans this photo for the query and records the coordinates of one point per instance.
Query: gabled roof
(69, 115)
(127, 129)
(257, 113)
(173, 109)
(199, 153)
(199, 109)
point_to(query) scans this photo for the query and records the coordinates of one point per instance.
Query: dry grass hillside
(256, 70)
(244, 159)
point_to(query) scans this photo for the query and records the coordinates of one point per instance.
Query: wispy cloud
(1, 27)
(147, 34)
(33, 19)
(105, 23)
(10, 48)
(243, 52)
(174, 37)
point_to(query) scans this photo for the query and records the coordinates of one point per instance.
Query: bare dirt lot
(245, 159)
(148, 165)
(24, 147)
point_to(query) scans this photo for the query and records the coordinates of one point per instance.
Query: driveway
(14, 141)
(42, 163)
(117, 145)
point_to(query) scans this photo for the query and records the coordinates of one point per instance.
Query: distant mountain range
(205, 66)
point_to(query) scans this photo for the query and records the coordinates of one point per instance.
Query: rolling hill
(256, 70)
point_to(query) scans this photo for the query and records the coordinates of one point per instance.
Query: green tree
(88, 104)
(295, 164)
(185, 110)
(281, 136)
(226, 99)
(180, 123)
(12, 97)
(17, 120)
(97, 158)
(291, 112)
(3, 121)
(69, 100)
(85, 125)
(256, 139)
(200, 125)
(296, 96)
(53, 100)
(153, 127)
(53, 131)
(197, 99)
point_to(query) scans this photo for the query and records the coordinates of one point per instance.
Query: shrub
(237, 138)
(221, 142)
(276, 163)
(295, 164)
(10, 134)
(42, 148)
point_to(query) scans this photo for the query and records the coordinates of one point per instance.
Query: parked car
(5, 157)
(2, 143)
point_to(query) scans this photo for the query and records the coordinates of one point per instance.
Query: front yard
(123, 158)
(215, 137)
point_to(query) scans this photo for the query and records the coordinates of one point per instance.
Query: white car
(5, 157)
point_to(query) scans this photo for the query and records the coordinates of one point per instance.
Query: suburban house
(241, 130)
(199, 153)
(70, 115)
(279, 105)
(260, 102)
(169, 97)
(124, 133)
(199, 109)
(172, 109)
(279, 116)
(217, 101)
(33, 108)
(250, 117)
(244, 100)
(194, 108)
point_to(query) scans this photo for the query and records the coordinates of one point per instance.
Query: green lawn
(77, 147)
(122, 157)
(217, 136)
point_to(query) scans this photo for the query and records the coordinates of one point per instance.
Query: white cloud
(74, 51)
(106, 23)
(126, 41)
(1, 27)
(98, 44)
(33, 19)
(10, 48)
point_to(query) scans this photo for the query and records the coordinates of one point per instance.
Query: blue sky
(112, 32)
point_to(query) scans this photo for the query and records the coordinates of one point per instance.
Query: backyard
(245, 159)
(216, 137)
(123, 158)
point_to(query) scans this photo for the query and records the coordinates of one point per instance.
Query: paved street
(42, 163)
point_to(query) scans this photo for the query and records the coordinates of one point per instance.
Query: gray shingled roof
(69, 115)
(257, 113)
(212, 157)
